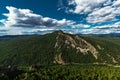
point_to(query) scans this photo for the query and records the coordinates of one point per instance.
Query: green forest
(33, 58)
(60, 72)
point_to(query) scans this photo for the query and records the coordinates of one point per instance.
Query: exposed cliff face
(77, 43)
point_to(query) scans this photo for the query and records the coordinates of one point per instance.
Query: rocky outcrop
(58, 59)
(76, 42)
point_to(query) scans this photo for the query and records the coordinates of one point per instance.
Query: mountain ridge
(59, 48)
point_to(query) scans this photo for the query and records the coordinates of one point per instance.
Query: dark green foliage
(110, 46)
(27, 51)
(68, 72)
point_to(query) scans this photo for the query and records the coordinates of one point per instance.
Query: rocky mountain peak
(64, 40)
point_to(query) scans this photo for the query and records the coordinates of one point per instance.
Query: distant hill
(59, 48)
(103, 35)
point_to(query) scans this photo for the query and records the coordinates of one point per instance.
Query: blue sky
(20, 17)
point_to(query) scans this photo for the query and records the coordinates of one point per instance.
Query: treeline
(59, 72)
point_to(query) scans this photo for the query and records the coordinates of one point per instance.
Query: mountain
(102, 35)
(59, 48)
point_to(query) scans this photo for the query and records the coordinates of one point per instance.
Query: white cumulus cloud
(105, 14)
(105, 29)
(85, 6)
(80, 26)
(26, 18)
(98, 11)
